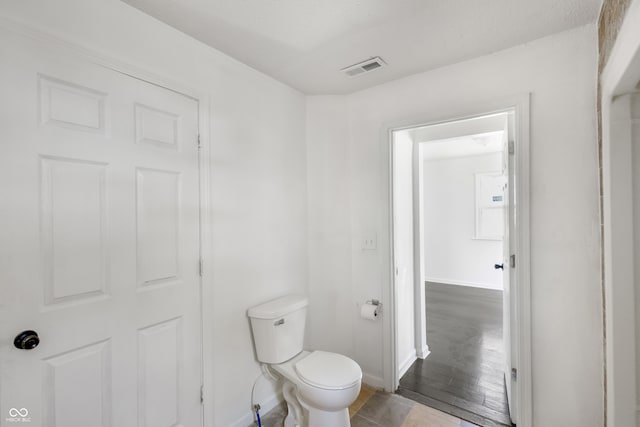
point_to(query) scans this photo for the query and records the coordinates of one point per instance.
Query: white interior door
(403, 242)
(508, 280)
(100, 245)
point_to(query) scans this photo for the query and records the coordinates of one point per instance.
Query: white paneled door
(509, 277)
(99, 245)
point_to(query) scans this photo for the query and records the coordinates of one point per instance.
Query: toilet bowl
(325, 385)
(318, 386)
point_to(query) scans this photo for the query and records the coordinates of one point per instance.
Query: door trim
(419, 305)
(139, 72)
(620, 76)
(520, 106)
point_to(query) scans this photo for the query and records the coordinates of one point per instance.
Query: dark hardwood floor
(463, 375)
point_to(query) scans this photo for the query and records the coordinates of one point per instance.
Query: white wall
(560, 73)
(258, 176)
(331, 305)
(451, 253)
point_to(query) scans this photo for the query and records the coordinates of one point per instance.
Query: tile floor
(378, 409)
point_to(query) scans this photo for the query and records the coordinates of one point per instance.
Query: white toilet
(318, 386)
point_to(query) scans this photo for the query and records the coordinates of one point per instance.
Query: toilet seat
(328, 371)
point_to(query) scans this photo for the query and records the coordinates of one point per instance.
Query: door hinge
(512, 261)
(199, 141)
(201, 394)
(201, 267)
(514, 374)
(512, 147)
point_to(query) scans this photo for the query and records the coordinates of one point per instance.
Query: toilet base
(322, 418)
(318, 418)
(296, 415)
(300, 414)
(290, 420)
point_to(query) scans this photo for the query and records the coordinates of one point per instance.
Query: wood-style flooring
(463, 376)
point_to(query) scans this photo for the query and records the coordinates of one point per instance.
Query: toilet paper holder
(371, 309)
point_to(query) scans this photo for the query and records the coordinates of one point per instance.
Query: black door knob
(498, 266)
(26, 340)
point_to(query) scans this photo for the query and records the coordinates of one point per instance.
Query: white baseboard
(423, 352)
(372, 380)
(406, 363)
(248, 420)
(460, 283)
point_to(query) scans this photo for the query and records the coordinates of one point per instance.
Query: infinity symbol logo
(13, 412)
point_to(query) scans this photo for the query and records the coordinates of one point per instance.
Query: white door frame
(139, 72)
(522, 335)
(420, 309)
(620, 76)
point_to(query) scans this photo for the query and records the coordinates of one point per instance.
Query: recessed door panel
(157, 127)
(78, 387)
(158, 226)
(71, 105)
(159, 366)
(74, 228)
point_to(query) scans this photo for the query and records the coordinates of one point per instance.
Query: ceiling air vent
(364, 66)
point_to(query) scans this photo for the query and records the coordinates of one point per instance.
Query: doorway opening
(455, 244)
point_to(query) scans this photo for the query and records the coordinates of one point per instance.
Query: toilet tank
(278, 328)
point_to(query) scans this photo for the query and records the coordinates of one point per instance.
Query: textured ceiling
(305, 43)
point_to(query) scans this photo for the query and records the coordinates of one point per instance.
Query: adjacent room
(462, 208)
(235, 213)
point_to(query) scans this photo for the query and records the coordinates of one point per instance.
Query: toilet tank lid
(278, 307)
